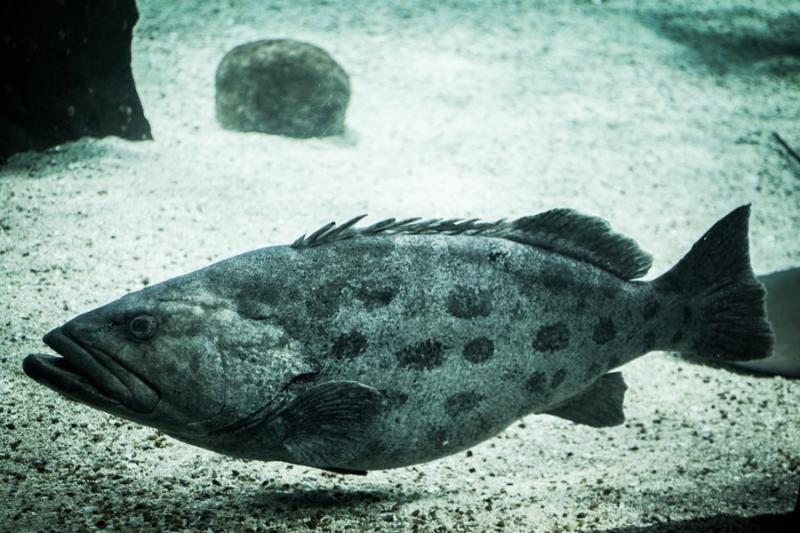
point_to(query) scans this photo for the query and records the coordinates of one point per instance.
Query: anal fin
(598, 406)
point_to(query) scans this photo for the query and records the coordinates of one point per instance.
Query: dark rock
(66, 73)
(282, 87)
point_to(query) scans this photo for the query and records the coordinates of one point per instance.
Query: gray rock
(283, 87)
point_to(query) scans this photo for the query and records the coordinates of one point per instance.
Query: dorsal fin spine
(321, 231)
(564, 231)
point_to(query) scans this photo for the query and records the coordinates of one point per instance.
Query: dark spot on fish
(687, 315)
(651, 308)
(649, 341)
(487, 425)
(249, 292)
(376, 297)
(551, 338)
(255, 303)
(479, 350)
(528, 285)
(323, 302)
(556, 279)
(465, 302)
(424, 355)
(323, 307)
(609, 287)
(437, 436)
(536, 381)
(349, 345)
(494, 256)
(394, 398)
(456, 404)
(558, 378)
(604, 330)
(677, 338)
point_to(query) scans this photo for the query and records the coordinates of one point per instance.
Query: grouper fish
(374, 347)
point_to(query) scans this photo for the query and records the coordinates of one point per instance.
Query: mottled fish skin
(398, 349)
(462, 335)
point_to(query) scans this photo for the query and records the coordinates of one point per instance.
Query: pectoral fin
(598, 406)
(330, 424)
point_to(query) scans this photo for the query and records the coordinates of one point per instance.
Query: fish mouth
(89, 375)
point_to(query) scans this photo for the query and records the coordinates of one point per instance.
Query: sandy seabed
(657, 116)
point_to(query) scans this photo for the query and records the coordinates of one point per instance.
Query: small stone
(282, 87)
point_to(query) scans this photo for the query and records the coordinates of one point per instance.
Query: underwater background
(657, 116)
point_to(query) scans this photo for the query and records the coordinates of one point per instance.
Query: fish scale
(356, 349)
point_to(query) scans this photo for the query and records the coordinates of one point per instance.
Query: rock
(66, 73)
(282, 87)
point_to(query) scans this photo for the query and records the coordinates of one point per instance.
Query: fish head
(155, 356)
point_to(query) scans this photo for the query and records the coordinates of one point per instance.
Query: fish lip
(58, 374)
(83, 374)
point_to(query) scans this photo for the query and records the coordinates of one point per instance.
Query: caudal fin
(726, 302)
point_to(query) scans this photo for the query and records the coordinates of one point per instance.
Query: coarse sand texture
(656, 116)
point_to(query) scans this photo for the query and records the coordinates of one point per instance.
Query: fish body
(373, 348)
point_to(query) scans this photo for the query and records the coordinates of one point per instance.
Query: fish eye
(143, 327)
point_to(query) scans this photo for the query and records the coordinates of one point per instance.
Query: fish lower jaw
(90, 376)
(58, 374)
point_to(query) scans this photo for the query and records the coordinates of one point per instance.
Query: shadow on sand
(723, 523)
(304, 500)
(734, 39)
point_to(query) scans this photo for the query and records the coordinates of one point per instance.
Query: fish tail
(724, 304)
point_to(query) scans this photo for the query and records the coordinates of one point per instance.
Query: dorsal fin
(562, 231)
(585, 238)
